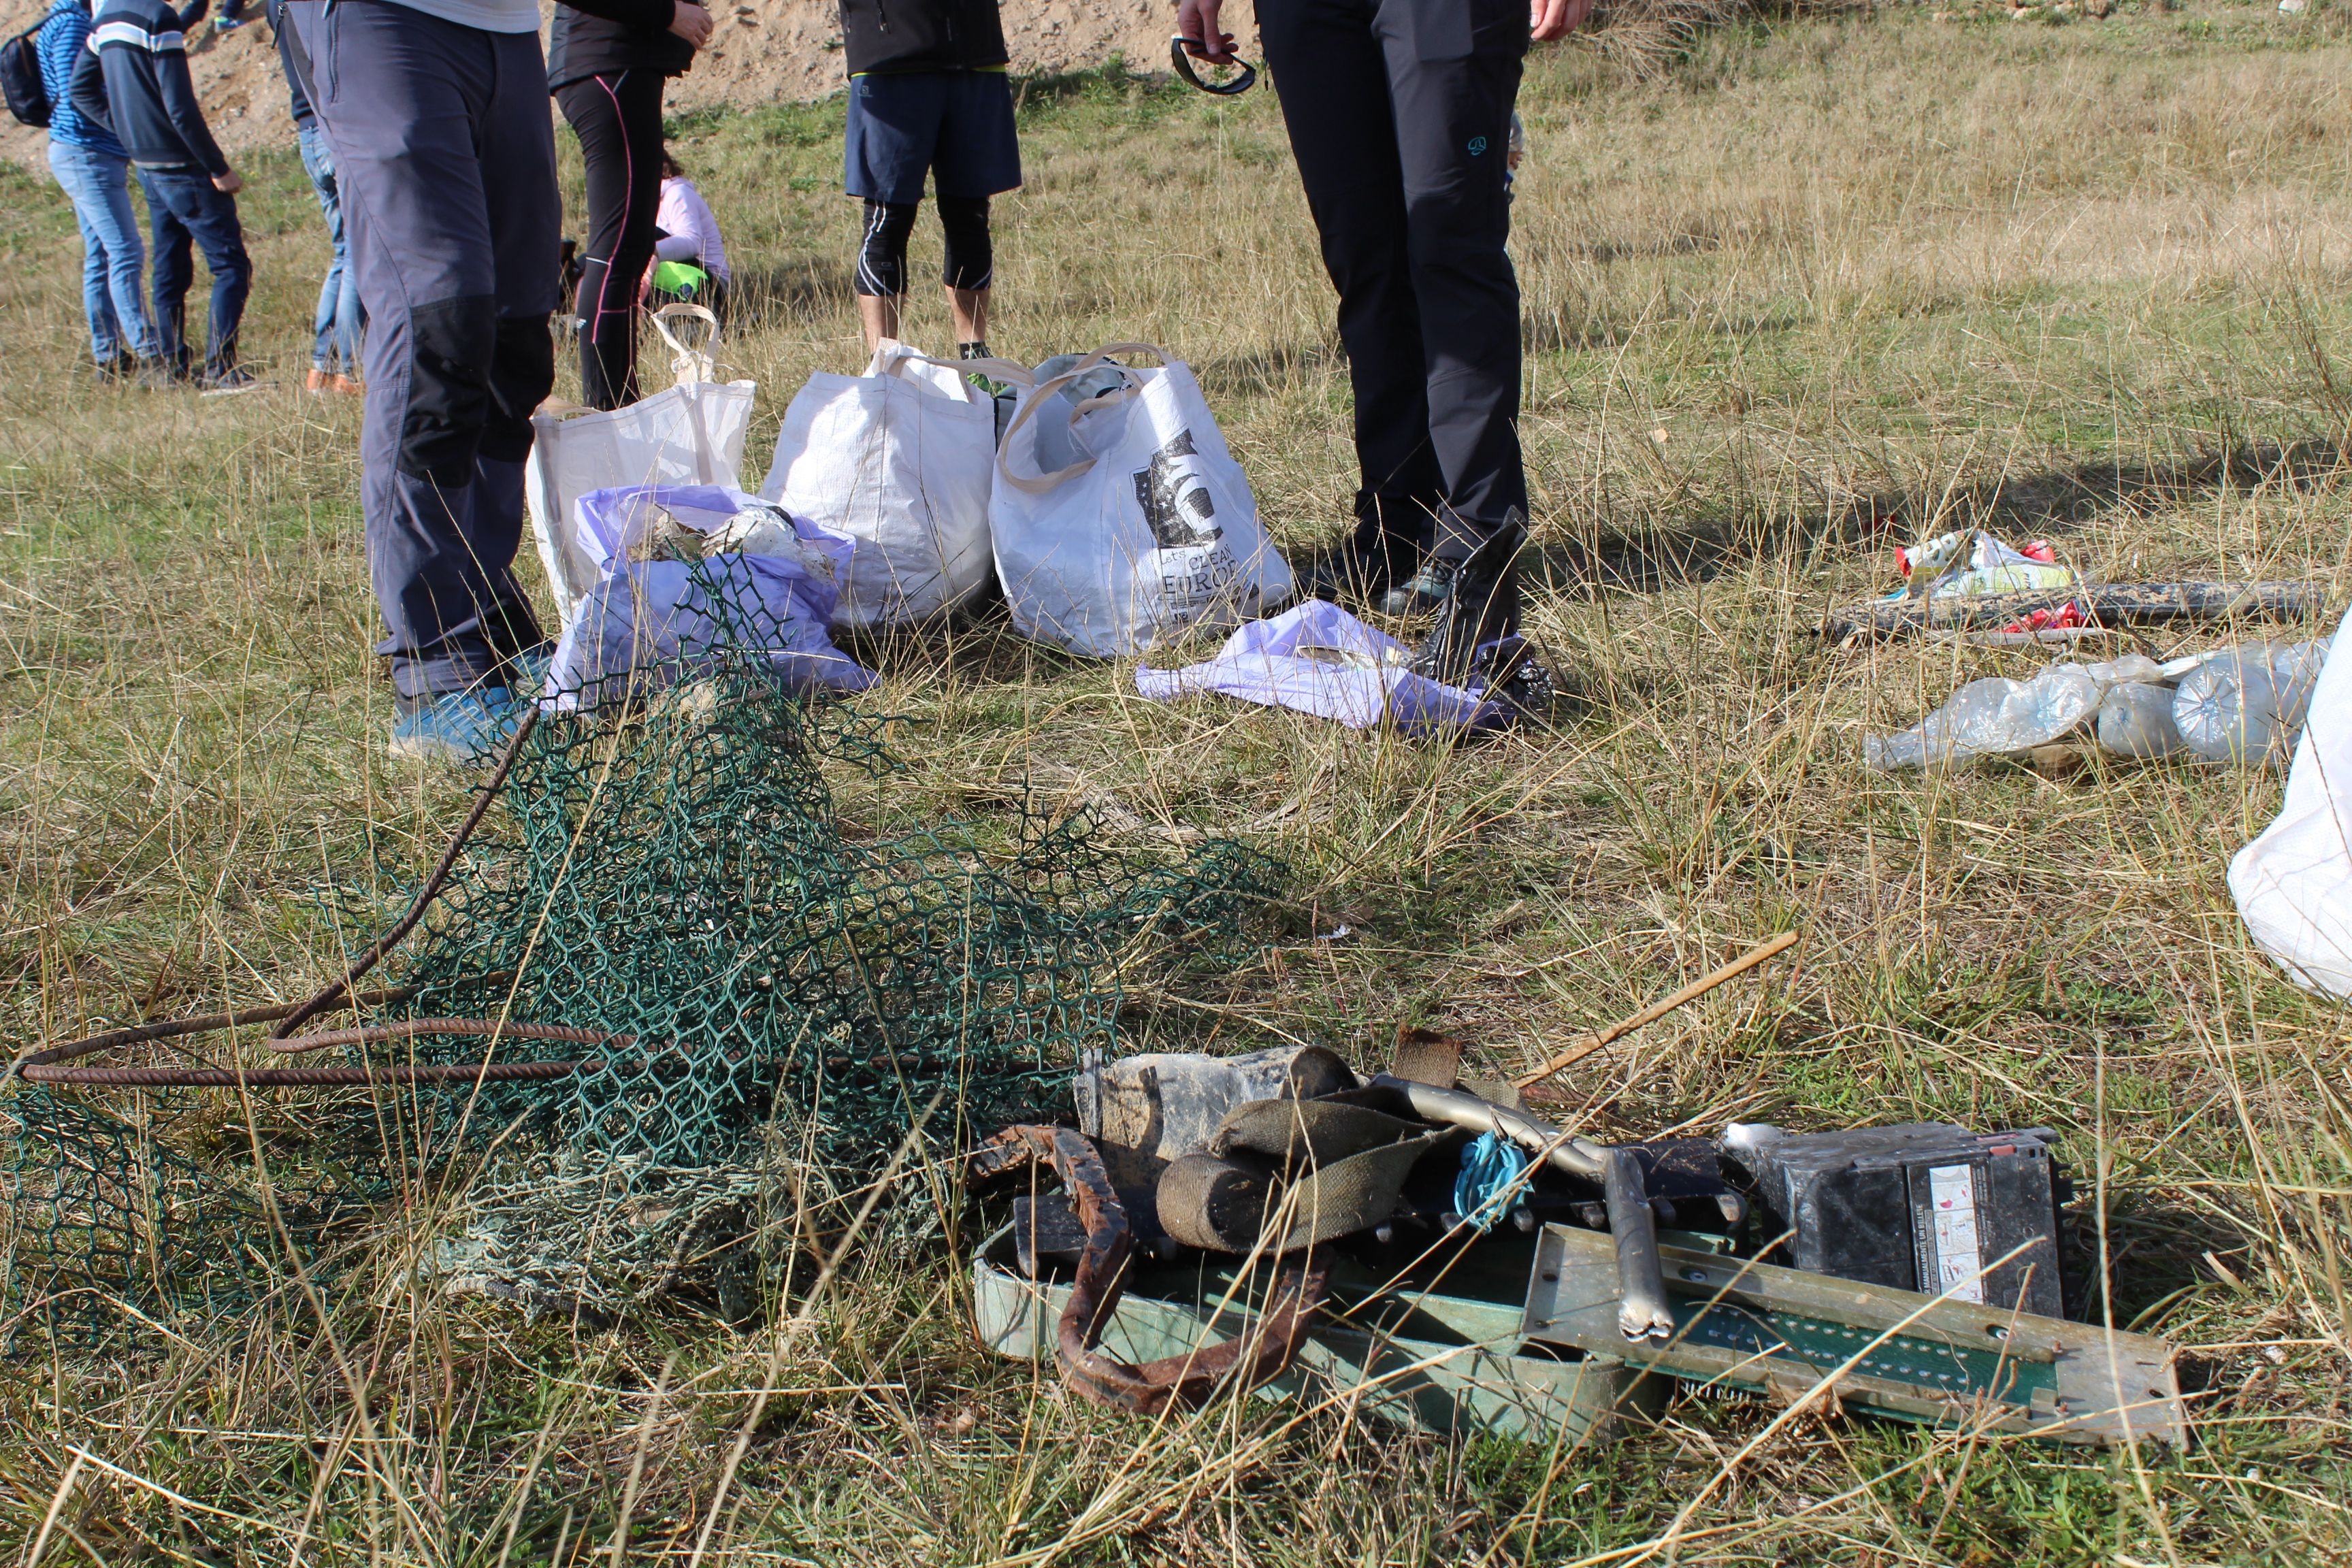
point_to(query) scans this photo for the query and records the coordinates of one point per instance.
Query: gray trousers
(444, 154)
(1400, 117)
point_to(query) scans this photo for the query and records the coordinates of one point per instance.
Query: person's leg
(526, 227)
(881, 277)
(618, 121)
(70, 165)
(126, 254)
(174, 271)
(976, 156)
(335, 325)
(457, 286)
(211, 216)
(1454, 73)
(320, 164)
(893, 127)
(970, 268)
(1333, 78)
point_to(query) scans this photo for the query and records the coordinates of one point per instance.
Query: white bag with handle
(2294, 883)
(1148, 531)
(900, 460)
(690, 433)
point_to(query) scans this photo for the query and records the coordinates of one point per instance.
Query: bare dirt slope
(765, 50)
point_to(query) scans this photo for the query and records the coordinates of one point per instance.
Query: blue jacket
(133, 81)
(60, 45)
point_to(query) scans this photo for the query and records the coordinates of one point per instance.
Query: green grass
(1867, 277)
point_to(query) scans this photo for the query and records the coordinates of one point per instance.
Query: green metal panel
(1750, 1325)
(1448, 1388)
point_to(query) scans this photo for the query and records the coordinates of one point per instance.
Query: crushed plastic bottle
(2236, 704)
(2136, 720)
(2244, 704)
(1996, 717)
(1989, 718)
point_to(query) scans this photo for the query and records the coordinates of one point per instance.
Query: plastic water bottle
(1988, 718)
(2136, 720)
(2244, 704)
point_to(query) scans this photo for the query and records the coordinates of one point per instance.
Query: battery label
(1952, 1199)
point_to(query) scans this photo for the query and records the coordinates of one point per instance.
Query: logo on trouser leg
(1477, 145)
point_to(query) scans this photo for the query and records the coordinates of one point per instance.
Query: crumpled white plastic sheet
(1316, 657)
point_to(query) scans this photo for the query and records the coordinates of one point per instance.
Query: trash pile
(2241, 705)
(1976, 564)
(1099, 494)
(1428, 1250)
(1969, 582)
(661, 954)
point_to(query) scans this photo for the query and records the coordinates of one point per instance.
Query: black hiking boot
(1353, 572)
(1382, 551)
(1425, 591)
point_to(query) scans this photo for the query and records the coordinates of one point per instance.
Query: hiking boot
(228, 381)
(317, 382)
(1478, 623)
(347, 386)
(1425, 591)
(1352, 572)
(116, 369)
(461, 728)
(155, 376)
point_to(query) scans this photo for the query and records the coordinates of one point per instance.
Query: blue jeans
(184, 210)
(335, 327)
(99, 185)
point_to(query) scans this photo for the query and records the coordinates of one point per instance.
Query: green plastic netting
(667, 865)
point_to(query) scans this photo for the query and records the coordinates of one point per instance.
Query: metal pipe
(1642, 1310)
(1575, 1156)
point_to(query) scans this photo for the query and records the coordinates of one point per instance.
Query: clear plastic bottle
(1989, 717)
(2136, 720)
(2244, 704)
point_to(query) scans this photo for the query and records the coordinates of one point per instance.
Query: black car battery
(1927, 1206)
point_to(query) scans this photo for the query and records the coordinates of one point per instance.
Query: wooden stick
(1659, 1008)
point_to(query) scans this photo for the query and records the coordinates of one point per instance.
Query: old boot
(1477, 630)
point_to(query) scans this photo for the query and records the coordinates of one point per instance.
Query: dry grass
(1820, 284)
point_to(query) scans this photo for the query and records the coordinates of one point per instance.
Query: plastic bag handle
(691, 365)
(885, 363)
(1044, 482)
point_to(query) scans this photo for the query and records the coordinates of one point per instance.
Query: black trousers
(618, 118)
(1399, 115)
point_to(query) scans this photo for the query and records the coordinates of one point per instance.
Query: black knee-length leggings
(618, 118)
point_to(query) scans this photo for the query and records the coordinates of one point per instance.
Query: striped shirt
(59, 43)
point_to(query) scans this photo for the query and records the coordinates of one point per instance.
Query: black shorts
(955, 125)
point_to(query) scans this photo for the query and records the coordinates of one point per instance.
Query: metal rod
(302, 1078)
(1659, 1008)
(488, 792)
(1575, 1156)
(1642, 1309)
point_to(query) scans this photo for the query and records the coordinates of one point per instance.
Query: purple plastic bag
(648, 624)
(1319, 660)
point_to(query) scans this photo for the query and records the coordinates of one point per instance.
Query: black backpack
(20, 77)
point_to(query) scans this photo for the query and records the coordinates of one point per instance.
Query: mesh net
(666, 866)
